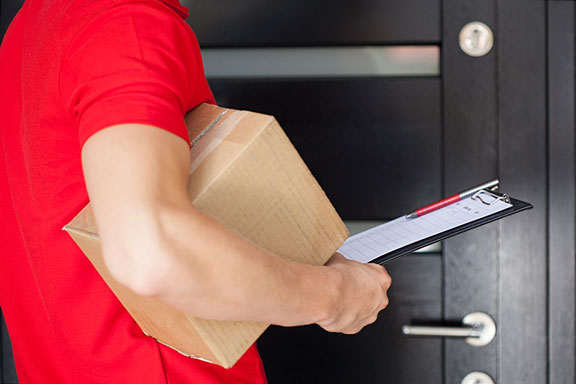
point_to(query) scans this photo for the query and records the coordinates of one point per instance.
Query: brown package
(246, 173)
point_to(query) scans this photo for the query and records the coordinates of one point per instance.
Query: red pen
(450, 200)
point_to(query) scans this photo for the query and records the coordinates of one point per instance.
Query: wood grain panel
(523, 170)
(470, 158)
(561, 121)
(374, 144)
(321, 22)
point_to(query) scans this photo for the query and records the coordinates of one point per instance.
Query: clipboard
(513, 206)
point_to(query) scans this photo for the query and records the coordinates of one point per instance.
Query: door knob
(477, 329)
(477, 378)
(476, 39)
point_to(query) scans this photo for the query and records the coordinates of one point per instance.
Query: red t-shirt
(69, 68)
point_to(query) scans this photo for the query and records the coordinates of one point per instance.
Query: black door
(390, 114)
(383, 141)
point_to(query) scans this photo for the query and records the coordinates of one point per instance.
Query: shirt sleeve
(133, 63)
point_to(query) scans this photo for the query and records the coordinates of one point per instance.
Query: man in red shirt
(92, 99)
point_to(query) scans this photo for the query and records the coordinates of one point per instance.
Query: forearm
(203, 268)
(155, 242)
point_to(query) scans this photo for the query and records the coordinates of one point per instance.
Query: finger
(372, 318)
(387, 282)
(335, 258)
(352, 330)
(386, 279)
(384, 303)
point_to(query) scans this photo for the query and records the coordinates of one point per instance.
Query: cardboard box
(246, 173)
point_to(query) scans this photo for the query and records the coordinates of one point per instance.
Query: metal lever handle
(419, 330)
(478, 329)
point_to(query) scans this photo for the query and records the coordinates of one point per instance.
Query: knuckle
(386, 283)
(338, 329)
(388, 279)
(384, 303)
(330, 327)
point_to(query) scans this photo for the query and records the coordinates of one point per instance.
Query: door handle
(477, 329)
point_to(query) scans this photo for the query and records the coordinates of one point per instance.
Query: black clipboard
(517, 206)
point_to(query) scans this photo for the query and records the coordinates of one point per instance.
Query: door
(390, 114)
(383, 142)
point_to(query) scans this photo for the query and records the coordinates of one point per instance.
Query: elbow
(142, 281)
(140, 266)
(148, 257)
(154, 272)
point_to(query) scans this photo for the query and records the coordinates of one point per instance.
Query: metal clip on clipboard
(487, 197)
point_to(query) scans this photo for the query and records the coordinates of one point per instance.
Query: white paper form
(375, 242)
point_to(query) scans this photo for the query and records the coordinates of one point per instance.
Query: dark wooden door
(409, 119)
(382, 144)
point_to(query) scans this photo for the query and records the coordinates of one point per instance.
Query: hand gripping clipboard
(402, 236)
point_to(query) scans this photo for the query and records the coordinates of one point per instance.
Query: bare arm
(158, 244)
